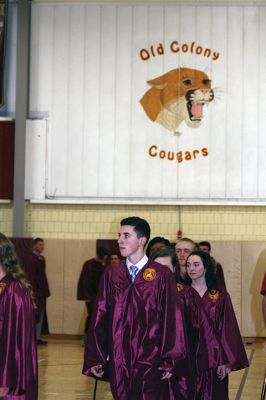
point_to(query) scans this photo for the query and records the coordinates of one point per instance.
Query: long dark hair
(209, 265)
(9, 262)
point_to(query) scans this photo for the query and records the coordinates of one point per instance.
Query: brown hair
(9, 261)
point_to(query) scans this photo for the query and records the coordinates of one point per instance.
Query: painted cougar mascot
(177, 96)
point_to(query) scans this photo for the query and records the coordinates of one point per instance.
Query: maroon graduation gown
(89, 280)
(88, 284)
(35, 271)
(140, 328)
(18, 355)
(203, 349)
(221, 316)
(220, 276)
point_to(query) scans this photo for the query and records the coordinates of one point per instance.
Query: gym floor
(60, 377)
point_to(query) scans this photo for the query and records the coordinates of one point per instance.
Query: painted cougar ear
(158, 83)
(151, 103)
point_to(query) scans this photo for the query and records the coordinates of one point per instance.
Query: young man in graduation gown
(35, 270)
(183, 248)
(18, 353)
(136, 322)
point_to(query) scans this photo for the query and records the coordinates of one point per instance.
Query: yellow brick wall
(6, 219)
(102, 221)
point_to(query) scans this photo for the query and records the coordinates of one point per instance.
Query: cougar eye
(206, 81)
(187, 82)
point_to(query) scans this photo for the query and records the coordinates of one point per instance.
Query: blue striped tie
(133, 272)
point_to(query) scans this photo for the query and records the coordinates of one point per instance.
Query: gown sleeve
(230, 336)
(96, 350)
(173, 345)
(83, 290)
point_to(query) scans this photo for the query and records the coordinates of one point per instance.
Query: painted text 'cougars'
(178, 156)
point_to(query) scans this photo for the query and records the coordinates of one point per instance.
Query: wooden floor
(60, 377)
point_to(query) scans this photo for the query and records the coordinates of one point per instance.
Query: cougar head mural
(177, 96)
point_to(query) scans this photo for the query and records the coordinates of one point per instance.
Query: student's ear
(143, 240)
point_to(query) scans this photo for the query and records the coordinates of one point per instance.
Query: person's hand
(222, 371)
(3, 391)
(97, 370)
(165, 374)
(228, 370)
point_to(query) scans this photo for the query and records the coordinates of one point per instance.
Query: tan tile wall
(64, 260)
(102, 221)
(6, 218)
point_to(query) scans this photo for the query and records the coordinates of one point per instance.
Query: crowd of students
(163, 321)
